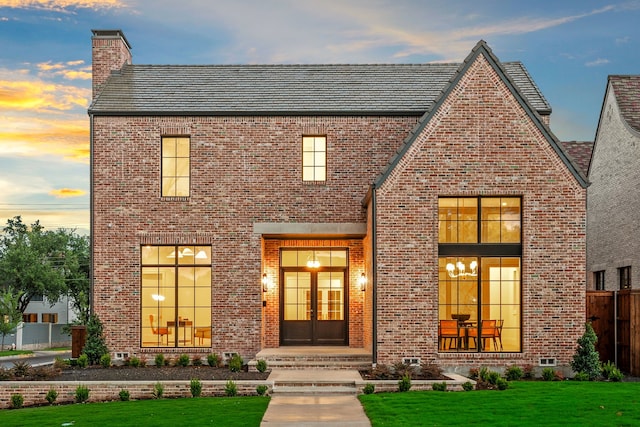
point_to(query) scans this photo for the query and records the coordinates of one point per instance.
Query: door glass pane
(297, 295)
(330, 295)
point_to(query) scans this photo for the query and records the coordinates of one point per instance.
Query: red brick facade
(246, 170)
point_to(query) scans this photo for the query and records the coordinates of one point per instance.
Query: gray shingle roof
(377, 89)
(580, 153)
(627, 91)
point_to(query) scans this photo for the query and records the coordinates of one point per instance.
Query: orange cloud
(38, 96)
(64, 193)
(61, 4)
(49, 69)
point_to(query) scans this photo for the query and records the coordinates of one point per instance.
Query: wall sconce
(265, 282)
(362, 281)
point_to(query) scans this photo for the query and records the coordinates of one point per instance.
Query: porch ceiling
(313, 230)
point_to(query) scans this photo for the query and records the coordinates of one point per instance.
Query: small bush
(132, 361)
(369, 388)
(230, 389)
(616, 375)
(527, 372)
(51, 396)
(467, 386)
(513, 373)
(82, 394)
(261, 389)
(261, 365)
(17, 401)
(5, 374)
(474, 373)
(587, 359)
(158, 390)
(548, 374)
(405, 383)
(105, 360)
(124, 395)
(213, 360)
(235, 363)
(159, 360)
(183, 360)
(60, 363)
(143, 361)
(196, 387)
(381, 372)
(611, 372)
(439, 386)
(581, 376)
(21, 369)
(430, 370)
(502, 384)
(83, 361)
(402, 369)
(196, 361)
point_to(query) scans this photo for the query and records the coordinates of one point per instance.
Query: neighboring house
(237, 208)
(42, 324)
(613, 247)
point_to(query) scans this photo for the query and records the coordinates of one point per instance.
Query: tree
(10, 317)
(48, 263)
(586, 359)
(30, 262)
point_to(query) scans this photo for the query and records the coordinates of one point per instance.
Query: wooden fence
(615, 317)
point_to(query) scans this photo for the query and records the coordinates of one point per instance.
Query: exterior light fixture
(362, 281)
(265, 282)
(460, 270)
(313, 262)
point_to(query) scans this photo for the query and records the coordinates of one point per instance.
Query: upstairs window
(49, 317)
(176, 166)
(598, 279)
(624, 274)
(314, 158)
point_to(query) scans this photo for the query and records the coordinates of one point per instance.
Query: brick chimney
(110, 50)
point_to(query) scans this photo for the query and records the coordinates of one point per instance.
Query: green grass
(4, 353)
(525, 403)
(226, 411)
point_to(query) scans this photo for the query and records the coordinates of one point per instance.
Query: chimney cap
(111, 34)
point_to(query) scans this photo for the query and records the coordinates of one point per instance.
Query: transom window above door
(314, 258)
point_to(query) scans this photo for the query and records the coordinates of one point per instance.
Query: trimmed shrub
(17, 401)
(159, 360)
(196, 387)
(95, 346)
(513, 373)
(83, 361)
(261, 389)
(82, 394)
(105, 360)
(51, 396)
(261, 365)
(132, 361)
(230, 388)
(158, 390)
(369, 388)
(124, 395)
(467, 386)
(183, 360)
(502, 384)
(404, 384)
(439, 386)
(548, 374)
(213, 360)
(236, 363)
(581, 376)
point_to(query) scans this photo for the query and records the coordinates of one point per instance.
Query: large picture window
(176, 168)
(176, 296)
(479, 274)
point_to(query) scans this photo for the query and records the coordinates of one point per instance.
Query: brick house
(612, 204)
(238, 208)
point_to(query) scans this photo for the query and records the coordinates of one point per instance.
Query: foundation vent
(411, 361)
(547, 361)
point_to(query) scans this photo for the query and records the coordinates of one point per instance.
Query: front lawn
(219, 411)
(5, 353)
(524, 403)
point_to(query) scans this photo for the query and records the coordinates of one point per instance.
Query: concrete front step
(314, 390)
(313, 364)
(334, 358)
(314, 381)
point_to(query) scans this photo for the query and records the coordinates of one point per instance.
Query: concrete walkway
(311, 410)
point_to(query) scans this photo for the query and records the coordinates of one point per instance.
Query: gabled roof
(580, 152)
(368, 89)
(627, 91)
(481, 48)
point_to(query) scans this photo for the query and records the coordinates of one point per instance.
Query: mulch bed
(128, 373)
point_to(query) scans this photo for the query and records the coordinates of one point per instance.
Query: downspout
(374, 275)
(91, 262)
(615, 327)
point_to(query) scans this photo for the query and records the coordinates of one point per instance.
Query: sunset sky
(569, 48)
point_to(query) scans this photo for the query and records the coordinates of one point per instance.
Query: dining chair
(162, 331)
(498, 333)
(448, 330)
(487, 331)
(202, 333)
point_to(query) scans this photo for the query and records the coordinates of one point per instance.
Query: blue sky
(569, 48)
